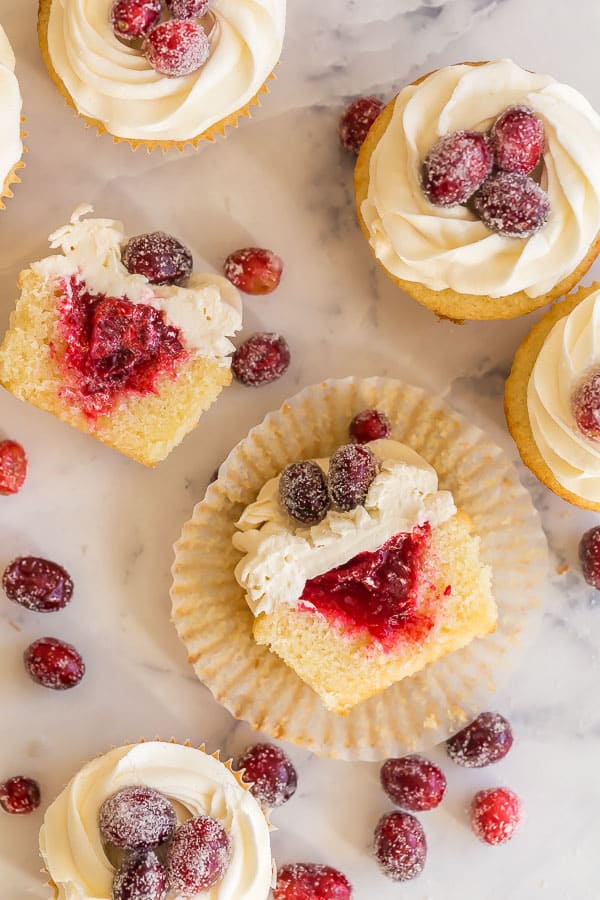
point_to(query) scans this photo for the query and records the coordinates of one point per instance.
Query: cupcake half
(11, 146)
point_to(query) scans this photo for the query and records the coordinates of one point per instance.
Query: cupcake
(479, 192)
(161, 76)
(163, 817)
(120, 338)
(11, 148)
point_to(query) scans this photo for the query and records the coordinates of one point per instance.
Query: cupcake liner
(12, 177)
(215, 624)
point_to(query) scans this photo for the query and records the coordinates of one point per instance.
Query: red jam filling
(113, 347)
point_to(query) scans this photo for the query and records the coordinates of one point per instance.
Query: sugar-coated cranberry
(485, 741)
(272, 773)
(456, 166)
(512, 204)
(132, 19)
(311, 881)
(141, 876)
(37, 584)
(160, 257)
(19, 795)
(413, 782)
(188, 9)
(54, 664)
(585, 406)
(370, 425)
(589, 556)
(400, 846)
(495, 815)
(177, 47)
(261, 359)
(137, 818)
(303, 492)
(352, 468)
(198, 855)
(356, 122)
(13, 467)
(254, 270)
(517, 140)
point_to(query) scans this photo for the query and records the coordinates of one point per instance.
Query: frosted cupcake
(11, 147)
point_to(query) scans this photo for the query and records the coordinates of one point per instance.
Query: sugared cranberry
(413, 782)
(589, 556)
(311, 881)
(370, 425)
(132, 19)
(19, 795)
(137, 818)
(198, 855)
(518, 140)
(177, 47)
(141, 876)
(303, 492)
(352, 468)
(13, 467)
(261, 359)
(400, 846)
(54, 664)
(161, 258)
(356, 122)
(254, 270)
(495, 815)
(273, 776)
(512, 204)
(37, 584)
(585, 405)
(188, 9)
(485, 741)
(456, 166)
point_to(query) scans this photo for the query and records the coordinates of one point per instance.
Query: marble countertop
(112, 523)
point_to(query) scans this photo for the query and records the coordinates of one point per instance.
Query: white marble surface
(282, 181)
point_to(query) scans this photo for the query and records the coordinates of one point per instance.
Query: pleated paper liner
(12, 178)
(215, 624)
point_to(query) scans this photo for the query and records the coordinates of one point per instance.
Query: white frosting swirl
(281, 556)
(70, 840)
(11, 147)
(112, 82)
(450, 248)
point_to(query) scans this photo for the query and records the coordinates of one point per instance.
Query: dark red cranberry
(261, 359)
(311, 881)
(356, 122)
(188, 9)
(141, 876)
(400, 846)
(518, 140)
(303, 492)
(585, 405)
(413, 782)
(19, 795)
(370, 425)
(13, 467)
(589, 556)
(254, 270)
(273, 776)
(161, 258)
(456, 166)
(352, 468)
(512, 204)
(485, 741)
(132, 19)
(198, 855)
(54, 664)
(495, 815)
(177, 47)
(37, 584)
(137, 818)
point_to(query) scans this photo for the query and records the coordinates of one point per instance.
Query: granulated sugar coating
(20, 795)
(585, 406)
(495, 815)
(37, 584)
(140, 877)
(455, 167)
(400, 846)
(13, 467)
(137, 818)
(356, 122)
(485, 741)
(370, 425)
(254, 270)
(160, 257)
(589, 556)
(303, 492)
(198, 855)
(272, 775)
(413, 782)
(310, 881)
(177, 47)
(263, 358)
(352, 468)
(512, 204)
(188, 9)
(517, 140)
(132, 19)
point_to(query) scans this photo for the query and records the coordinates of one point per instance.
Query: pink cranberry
(54, 664)
(37, 584)
(13, 467)
(198, 855)
(589, 556)
(413, 782)
(261, 359)
(356, 122)
(137, 818)
(495, 815)
(177, 47)
(485, 741)
(585, 405)
(370, 425)
(273, 776)
(352, 468)
(19, 795)
(132, 19)
(161, 258)
(518, 140)
(254, 270)
(456, 166)
(188, 9)
(303, 492)
(512, 204)
(141, 876)
(400, 846)
(310, 881)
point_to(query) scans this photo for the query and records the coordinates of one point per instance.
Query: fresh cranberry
(352, 469)
(370, 425)
(141, 876)
(261, 359)
(132, 19)
(273, 776)
(254, 270)
(413, 782)
(13, 467)
(585, 406)
(485, 741)
(518, 140)
(303, 492)
(198, 855)
(589, 556)
(137, 818)
(400, 846)
(512, 204)
(495, 815)
(356, 122)
(311, 881)
(456, 166)
(177, 47)
(54, 664)
(37, 584)
(160, 257)
(188, 9)
(19, 795)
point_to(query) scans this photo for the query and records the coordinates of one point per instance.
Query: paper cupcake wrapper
(12, 177)
(215, 624)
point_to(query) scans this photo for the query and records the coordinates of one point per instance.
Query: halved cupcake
(11, 146)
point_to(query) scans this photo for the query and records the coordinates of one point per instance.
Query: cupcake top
(11, 147)
(451, 247)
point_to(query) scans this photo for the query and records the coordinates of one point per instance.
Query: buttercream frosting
(11, 147)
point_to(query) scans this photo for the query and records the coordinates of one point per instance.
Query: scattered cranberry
(261, 359)
(589, 556)
(518, 140)
(303, 492)
(13, 467)
(37, 584)
(177, 47)
(456, 166)
(198, 855)
(161, 258)
(19, 795)
(54, 664)
(254, 270)
(413, 782)
(310, 881)
(132, 19)
(352, 468)
(273, 776)
(137, 818)
(512, 204)
(141, 876)
(485, 741)
(370, 425)
(356, 122)
(188, 9)
(585, 405)
(495, 815)
(400, 846)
